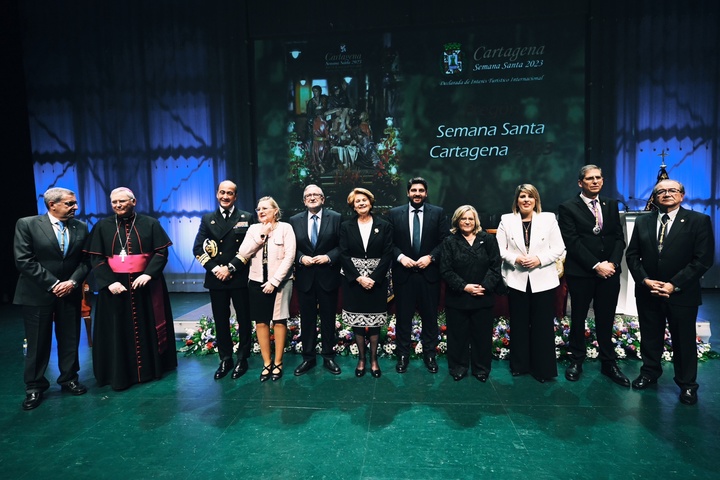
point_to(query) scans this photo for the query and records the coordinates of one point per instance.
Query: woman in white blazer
(530, 242)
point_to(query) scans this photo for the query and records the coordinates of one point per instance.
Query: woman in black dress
(470, 266)
(365, 255)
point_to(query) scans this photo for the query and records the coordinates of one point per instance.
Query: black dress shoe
(573, 372)
(482, 376)
(359, 372)
(402, 364)
(331, 366)
(223, 369)
(32, 400)
(613, 371)
(688, 396)
(458, 376)
(642, 382)
(375, 373)
(431, 364)
(240, 369)
(74, 387)
(304, 367)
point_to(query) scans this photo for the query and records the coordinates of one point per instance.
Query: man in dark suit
(418, 230)
(49, 255)
(594, 239)
(317, 277)
(669, 252)
(219, 236)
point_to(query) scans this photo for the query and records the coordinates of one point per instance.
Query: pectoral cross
(123, 254)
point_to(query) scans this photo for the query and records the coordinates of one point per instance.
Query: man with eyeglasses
(668, 254)
(219, 236)
(317, 278)
(49, 255)
(594, 240)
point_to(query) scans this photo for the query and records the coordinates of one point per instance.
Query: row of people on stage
(254, 265)
(134, 337)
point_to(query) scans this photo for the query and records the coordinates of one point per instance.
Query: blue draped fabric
(138, 94)
(667, 101)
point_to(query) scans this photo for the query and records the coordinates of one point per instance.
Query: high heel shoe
(277, 376)
(265, 373)
(375, 373)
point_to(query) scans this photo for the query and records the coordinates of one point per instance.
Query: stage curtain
(661, 88)
(148, 95)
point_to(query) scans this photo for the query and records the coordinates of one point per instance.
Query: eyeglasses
(69, 204)
(262, 209)
(671, 191)
(311, 195)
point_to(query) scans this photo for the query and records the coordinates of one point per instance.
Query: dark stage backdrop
(475, 111)
(171, 97)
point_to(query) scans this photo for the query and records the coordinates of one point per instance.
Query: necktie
(598, 220)
(416, 233)
(314, 230)
(661, 233)
(226, 214)
(61, 238)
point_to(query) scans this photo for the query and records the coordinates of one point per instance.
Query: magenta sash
(130, 263)
(137, 264)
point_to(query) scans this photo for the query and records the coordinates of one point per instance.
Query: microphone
(627, 209)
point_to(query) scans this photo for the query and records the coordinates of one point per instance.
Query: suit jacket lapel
(518, 232)
(677, 225)
(354, 230)
(323, 226)
(47, 228)
(220, 226)
(585, 212)
(72, 230)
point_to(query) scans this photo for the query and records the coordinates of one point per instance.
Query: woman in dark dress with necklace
(365, 255)
(470, 266)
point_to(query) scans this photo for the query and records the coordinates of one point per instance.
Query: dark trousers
(603, 293)
(220, 303)
(65, 314)
(653, 314)
(469, 339)
(532, 333)
(313, 302)
(416, 293)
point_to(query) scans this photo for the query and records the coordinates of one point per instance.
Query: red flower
(189, 341)
(210, 345)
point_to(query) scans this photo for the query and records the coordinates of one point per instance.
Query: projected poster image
(476, 112)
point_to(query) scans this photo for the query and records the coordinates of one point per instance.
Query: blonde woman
(530, 242)
(269, 248)
(470, 266)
